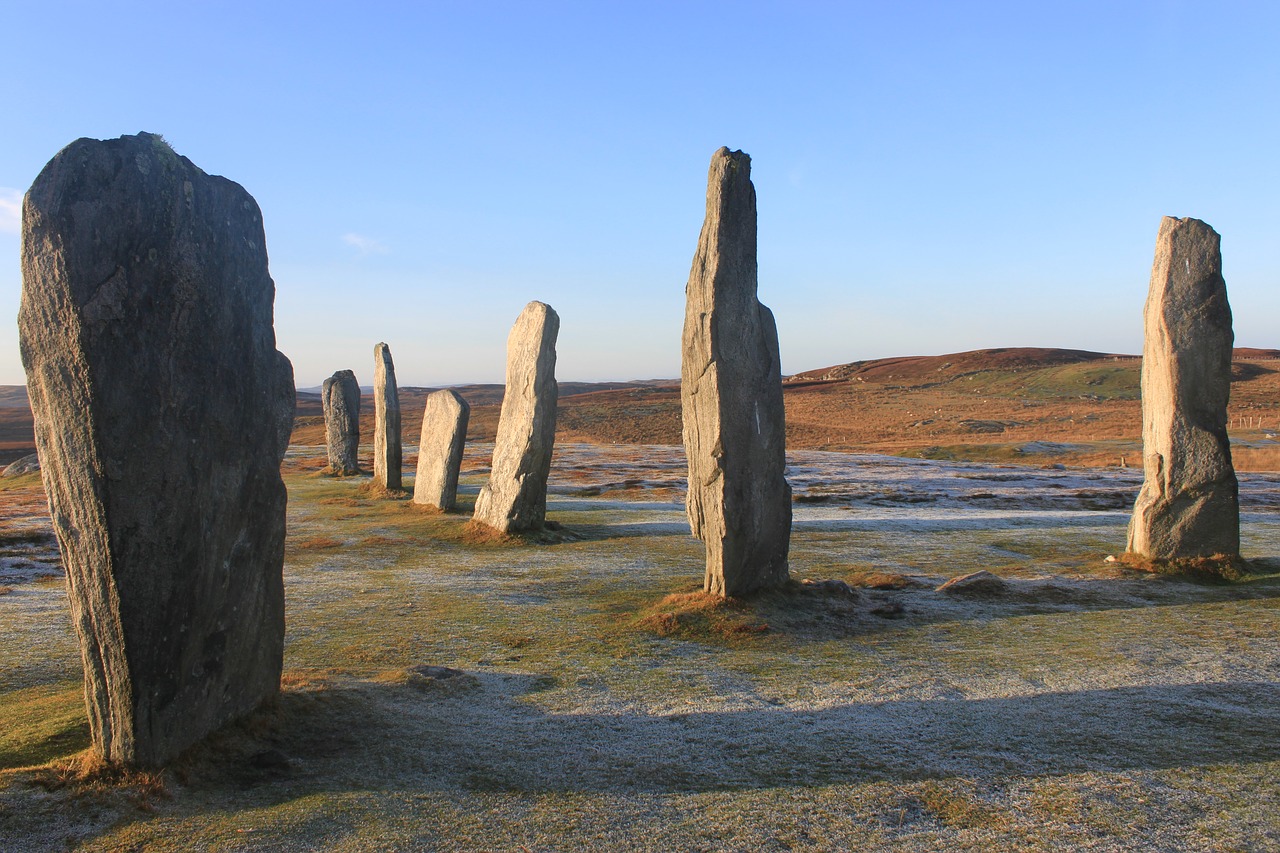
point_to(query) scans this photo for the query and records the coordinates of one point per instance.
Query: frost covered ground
(1084, 706)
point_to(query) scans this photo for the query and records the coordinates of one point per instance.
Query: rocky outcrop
(444, 435)
(162, 413)
(28, 464)
(739, 502)
(387, 453)
(515, 498)
(1189, 504)
(340, 397)
(980, 584)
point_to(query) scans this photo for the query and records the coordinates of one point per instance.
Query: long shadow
(371, 737)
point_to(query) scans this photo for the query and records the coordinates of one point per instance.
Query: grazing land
(443, 693)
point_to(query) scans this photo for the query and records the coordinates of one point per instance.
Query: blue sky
(931, 177)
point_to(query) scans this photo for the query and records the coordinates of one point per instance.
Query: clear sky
(931, 177)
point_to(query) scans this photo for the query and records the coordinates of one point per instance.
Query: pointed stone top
(729, 175)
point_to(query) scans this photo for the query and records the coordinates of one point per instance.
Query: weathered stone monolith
(444, 435)
(387, 455)
(162, 413)
(1189, 505)
(515, 498)
(739, 502)
(340, 397)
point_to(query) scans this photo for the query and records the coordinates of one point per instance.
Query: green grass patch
(42, 724)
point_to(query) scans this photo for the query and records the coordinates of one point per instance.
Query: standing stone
(340, 397)
(162, 413)
(739, 502)
(444, 434)
(387, 456)
(1189, 505)
(515, 498)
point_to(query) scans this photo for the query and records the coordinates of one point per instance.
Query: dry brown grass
(478, 533)
(1257, 459)
(315, 543)
(342, 502)
(881, 580)
(376, 491)
(89, 774)
(700, 615)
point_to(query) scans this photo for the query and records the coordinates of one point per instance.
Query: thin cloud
(365, 245)
(10, 211)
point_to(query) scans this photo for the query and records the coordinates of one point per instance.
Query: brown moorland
(1032, 405)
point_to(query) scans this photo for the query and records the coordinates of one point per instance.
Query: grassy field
(447, 694)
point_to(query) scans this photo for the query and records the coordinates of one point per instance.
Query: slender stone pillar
(739, 502)
(1189, 504)
(162, 412)
(340, 397)
(444, 435)
(515, 498)
(387, 454)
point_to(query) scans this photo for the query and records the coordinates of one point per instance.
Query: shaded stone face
(515, 498)
(444, 436)
(739, 502)
(340, 398)
(162, 413)
(387, 454)
(1189, 503)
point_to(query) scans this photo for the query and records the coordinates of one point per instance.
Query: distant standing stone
(340, 397)
(444, 435)
(739, 502)
(1189, 504)
(162, 413)
(515, 498)
(387, 454)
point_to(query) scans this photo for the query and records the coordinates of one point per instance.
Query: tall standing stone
(387, 454)
(515, 498)
(340, 398)
(162, 413)
(739, 502)
(444, 435)
(1189, 505)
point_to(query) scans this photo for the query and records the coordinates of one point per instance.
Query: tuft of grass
(89, 773)
(702, 616)
(476, 533)
(377, 491)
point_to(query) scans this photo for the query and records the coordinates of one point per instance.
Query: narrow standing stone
(162, 413)
(1189, 504)
(387, 456)
(340, 397)
(739, 502)
(444, 434)
(515, 498)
